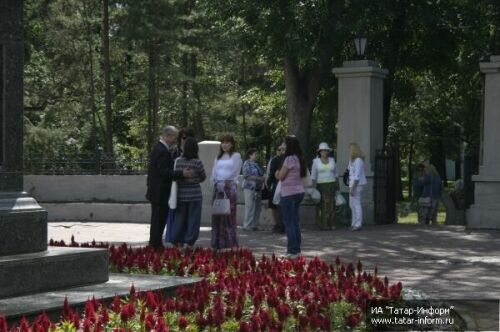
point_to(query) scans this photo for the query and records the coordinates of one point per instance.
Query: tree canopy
(110, 73)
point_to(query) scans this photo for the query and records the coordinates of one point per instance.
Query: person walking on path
(271, 183)
(357, 182)
(187, 220)
(159, 180)
(225, 172)
(292, 193)
(253, 184)
(324, 177)
(431, 188)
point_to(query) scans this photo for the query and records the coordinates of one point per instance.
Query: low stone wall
(117, 198)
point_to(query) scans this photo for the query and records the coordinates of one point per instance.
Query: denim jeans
(290, 211)
(186, 226)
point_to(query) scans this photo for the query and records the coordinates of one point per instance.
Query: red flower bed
(238, 293)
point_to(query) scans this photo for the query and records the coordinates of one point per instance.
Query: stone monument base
(23, 224)
(53, 269)
(485, 213)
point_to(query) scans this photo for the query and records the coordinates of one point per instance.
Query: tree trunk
(106, 68)
(302, 89)
(92, 97)
(153, 92)
(185, 89)
(198, 123)
(410, 169)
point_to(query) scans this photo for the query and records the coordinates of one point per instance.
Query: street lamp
(360, 43)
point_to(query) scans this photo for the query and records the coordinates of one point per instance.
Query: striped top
(189, 189)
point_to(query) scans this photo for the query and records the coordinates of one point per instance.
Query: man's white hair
(169, 130)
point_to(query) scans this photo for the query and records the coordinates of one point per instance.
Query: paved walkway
(444, 262)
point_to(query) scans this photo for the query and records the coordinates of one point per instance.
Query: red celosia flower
(76, 319)
(127, 312)
(104, 317)
(245, 327)
(66, 314)
(116, 306)
(353, 320)
(160, 326)
(149, 322)
(183, 322)
(132, 292)
(86, 325)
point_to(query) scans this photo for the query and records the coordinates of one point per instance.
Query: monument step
(30, 306)
(52, 269)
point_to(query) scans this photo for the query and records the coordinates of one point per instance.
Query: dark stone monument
(26, 263)
(33, 276)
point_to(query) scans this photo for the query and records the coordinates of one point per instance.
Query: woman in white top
(325, 178)
(357, 182)
(227, 168)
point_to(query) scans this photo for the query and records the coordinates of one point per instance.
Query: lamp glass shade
(360, 43)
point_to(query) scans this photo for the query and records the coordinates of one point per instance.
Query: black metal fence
(384, 188)
(81, 164)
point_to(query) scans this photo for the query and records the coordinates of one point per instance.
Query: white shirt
(357, 172)
(227, 168)
(324, 173)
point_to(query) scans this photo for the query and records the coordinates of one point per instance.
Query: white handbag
(172, 200)
(221, 206)
(339, 199)
(307, 180)
(277, 194)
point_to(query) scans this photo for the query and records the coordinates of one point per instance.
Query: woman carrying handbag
(227, 168)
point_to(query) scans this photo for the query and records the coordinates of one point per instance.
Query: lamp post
(360, 44)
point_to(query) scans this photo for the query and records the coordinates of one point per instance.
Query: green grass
(412, 218)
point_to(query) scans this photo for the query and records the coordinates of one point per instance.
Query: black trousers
(159, 214)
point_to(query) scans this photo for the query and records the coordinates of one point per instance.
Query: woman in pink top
(292, 193)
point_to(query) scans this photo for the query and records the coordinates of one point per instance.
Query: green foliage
(220, 69)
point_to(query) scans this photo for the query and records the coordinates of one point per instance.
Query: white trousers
(253, 207)
(356, 209)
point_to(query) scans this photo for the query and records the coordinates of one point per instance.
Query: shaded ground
(444, 262)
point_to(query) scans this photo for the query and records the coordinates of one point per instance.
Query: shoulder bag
(172, 200)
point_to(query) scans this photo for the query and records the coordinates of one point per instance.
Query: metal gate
(384, 187)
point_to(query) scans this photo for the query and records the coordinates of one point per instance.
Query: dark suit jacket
(160, 174)
(274, 165)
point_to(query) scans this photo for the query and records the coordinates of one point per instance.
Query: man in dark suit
(271, 182)
(160, 176)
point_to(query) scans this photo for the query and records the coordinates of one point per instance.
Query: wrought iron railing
(92, 163)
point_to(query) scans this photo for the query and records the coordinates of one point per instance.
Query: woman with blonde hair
(357, 182)
(431, 192)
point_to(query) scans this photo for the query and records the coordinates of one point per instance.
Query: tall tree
(106, 69)
(302, 35)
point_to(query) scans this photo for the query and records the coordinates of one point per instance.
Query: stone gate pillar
(485, 213)
(360, 119)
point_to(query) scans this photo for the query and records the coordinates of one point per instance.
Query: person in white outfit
(325, 178)
(357, 182)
